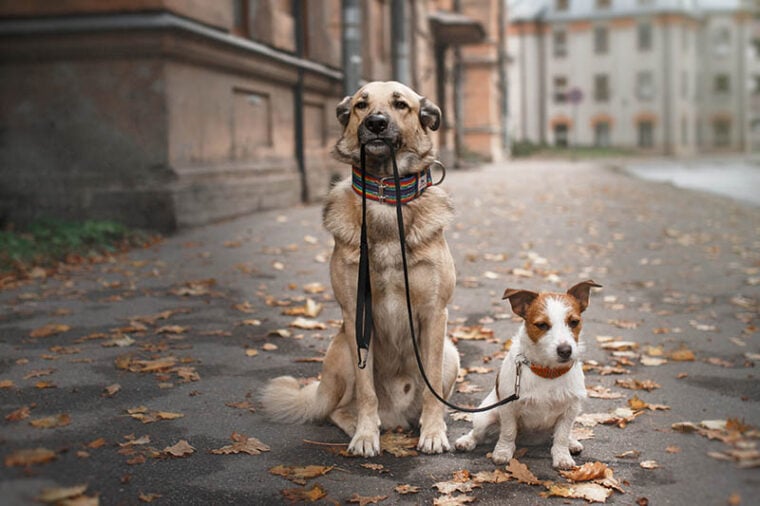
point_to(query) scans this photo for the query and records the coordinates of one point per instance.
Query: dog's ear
(430, 114)
(580, 292)
(520, 300)
(343, 111)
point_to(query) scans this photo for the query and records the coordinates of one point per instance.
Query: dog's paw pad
(365, 445)
(434, 443)
(465, 443)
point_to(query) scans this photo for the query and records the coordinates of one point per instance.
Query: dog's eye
(573, 323)
(361, 105)
(398, 104)
(542, 326)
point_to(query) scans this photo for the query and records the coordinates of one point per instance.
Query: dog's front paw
(503, 453)
(366, 444)
(433, 442)
(575, 447)
(561, 459)
(466, 443)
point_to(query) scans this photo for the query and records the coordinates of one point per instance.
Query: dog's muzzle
(376, 132)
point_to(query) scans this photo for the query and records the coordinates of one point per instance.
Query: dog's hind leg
(481, 423)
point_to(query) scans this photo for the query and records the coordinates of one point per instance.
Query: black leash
(364, 295)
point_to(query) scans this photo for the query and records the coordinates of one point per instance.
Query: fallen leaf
(407, 489)
(364, 500)
(624, 324)
(300, 475)
(7, 384)
(280, 333)
(649, 464)
(307, 324)
(58, 494)
(96, 443)
(521, 473)
(634, 384)
(449, 487)
(682, 355)
(111, 390)
(38, 373)
(242, 405)
(495, 476)
(51, 422)
(50, 329)
(181, 449)
(314, 288)
(148, 497)
(453, 500)
(587, 472)
(23, 458)
(147, 416)
(628, 454)
(315, 493)
(734, 499)
(720, 362)
(251, 322)
(673, 449)
(398, 444)
(473, 333)
(620, 345)
(591, 492)
(652, 361)
(242, 444)
(269, 347)
(310, 309)
(171, 329)
(601, 392)
(21, 413)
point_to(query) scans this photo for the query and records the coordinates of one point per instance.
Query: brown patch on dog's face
(381, 115)
(537, 320)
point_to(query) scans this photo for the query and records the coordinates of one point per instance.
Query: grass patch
(47, 243)
(526, 149)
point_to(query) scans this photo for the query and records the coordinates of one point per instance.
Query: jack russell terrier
(545, 352)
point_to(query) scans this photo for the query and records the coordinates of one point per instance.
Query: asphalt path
(680, 271)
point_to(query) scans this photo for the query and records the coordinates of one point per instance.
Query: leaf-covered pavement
(136, 381)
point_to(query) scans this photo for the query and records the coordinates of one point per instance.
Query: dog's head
(552, 322)
(383, 113)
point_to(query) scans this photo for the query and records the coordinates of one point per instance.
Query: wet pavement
(195, 326)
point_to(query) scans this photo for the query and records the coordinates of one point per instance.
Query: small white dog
(545, 352)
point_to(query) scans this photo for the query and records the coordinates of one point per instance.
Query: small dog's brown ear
(581, 292)
(343, 111)
(520, 300)
(430, 114)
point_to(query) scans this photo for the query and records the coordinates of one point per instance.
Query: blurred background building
(171, 113)
(667, 76)
(168, 113)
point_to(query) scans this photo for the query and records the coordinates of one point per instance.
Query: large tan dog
(389, 392)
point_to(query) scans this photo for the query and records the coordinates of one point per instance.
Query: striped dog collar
(384, 190)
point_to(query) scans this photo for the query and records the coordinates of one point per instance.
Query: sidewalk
(195, 326)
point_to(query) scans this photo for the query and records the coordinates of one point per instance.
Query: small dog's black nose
(376, 123)
(564, 351)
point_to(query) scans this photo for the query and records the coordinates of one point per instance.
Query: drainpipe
(503, 83)
(298, 93)
(352, 45)
(458, 101)
(400, 42)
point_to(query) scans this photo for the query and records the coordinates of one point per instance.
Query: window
(644, 86)
(601, 88)
(644, 36)
(561, 135)
(600, 40)
(721, 133)
(756, 84)
(561, 5)
(560, 89)
(559, 41)
(722, 84)
(602, 134)
(646, 134)
(603, 4)
(721, 41)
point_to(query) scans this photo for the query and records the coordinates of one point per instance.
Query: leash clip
(518, 373)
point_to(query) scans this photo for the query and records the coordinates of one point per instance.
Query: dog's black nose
(376, 123)
(564, 351)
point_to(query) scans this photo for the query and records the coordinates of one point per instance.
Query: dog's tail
(284, 400)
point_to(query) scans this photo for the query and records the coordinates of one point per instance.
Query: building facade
(171, 113)
(663, 76)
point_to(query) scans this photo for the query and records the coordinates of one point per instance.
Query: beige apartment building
(667, 76)
(171, 113)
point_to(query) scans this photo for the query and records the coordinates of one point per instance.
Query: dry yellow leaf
(298, 474)
(587, 472)
(51, 422)
(521, 473)
(57, 494)
(50, 329)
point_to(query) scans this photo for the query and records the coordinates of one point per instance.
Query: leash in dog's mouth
(364, 290)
